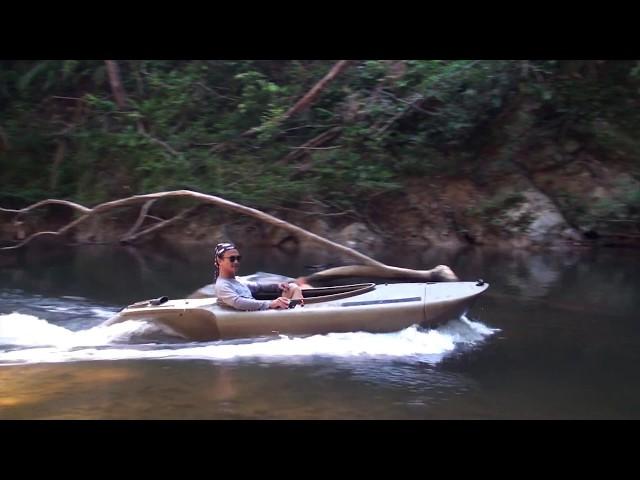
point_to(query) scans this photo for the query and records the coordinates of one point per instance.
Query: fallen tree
(368, 266)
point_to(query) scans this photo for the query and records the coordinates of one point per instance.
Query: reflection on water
(151, 390)
(556, 336)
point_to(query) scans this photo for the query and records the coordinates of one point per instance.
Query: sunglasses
(234, 258)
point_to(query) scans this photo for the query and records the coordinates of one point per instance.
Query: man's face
(229, 262)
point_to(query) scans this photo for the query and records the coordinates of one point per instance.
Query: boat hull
(385, 308)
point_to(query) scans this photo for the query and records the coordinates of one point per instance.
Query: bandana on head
(220, 249)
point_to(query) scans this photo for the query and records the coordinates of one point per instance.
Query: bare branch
(62, 231)
(316, 148)
(81, 99)
(311, 95)
(210, 199)
(370, 266)
(317, 141)
(309, 126)
(161, 225)
(212, 144)
(214, 92)
(400, 114)
(169, 148)
(28, 239)
(417, 98)
(74, 206)
(143, 214)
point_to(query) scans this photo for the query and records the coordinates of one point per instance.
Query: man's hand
(279, 303)
(289, 289)
(302, 282)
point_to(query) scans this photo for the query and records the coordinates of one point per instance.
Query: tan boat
(361, 307)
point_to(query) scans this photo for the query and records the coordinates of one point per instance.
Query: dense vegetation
(220, 126)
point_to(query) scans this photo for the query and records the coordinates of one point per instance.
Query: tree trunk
(4, 140)
(116, 84)
(55, 167)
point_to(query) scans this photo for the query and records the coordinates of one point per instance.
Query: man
(239, 295)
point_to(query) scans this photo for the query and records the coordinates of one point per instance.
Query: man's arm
(232, 298)
(276, 289)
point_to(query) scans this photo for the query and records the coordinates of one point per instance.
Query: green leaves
(101, 104)
(25, 80)
(184, 120)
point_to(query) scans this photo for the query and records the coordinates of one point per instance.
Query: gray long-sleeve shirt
(239, 295)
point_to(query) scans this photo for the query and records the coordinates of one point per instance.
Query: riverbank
(559, 208)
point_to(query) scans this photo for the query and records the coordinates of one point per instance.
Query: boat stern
(193, 319)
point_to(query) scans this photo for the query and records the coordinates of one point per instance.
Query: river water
(556, 336)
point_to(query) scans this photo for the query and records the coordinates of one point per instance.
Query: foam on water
(29, 339)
